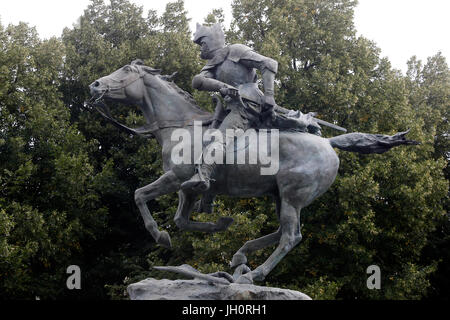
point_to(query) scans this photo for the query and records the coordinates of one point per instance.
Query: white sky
(401, 28)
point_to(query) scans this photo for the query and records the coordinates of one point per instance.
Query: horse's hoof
(238, 259)
(164, 240)
(245, 279)
(240, 270)
(223, 223)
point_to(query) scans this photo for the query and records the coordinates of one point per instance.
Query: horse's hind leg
(290, 237)
(240, 257)
(167, 183)
(185, 207)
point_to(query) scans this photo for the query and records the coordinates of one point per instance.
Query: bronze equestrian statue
(307, 162)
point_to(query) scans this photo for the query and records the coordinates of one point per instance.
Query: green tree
(215, 16)
(48, 208)
(429, 94)
(174, 18)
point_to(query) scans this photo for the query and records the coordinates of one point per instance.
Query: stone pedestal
(152, 289)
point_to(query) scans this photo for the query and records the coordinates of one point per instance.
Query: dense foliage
(68, 177)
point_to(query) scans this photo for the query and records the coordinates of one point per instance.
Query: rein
(146, 131)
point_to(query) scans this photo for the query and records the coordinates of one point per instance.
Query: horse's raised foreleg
(290, 237)
(240, 257)
(167, 183)
(182, 217)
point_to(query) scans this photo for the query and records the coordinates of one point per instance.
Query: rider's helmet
(213, 36)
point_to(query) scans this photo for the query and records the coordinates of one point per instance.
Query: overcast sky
(401, 28)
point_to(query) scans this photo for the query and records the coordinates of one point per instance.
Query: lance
(319, 121)
(327, 124)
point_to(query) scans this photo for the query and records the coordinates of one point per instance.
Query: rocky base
(152, 289)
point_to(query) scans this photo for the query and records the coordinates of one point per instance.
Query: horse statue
(307, 164)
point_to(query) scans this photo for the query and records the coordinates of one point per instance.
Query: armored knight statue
(231, 71)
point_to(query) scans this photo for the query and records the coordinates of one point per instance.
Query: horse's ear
(140, 63)
(137, 62)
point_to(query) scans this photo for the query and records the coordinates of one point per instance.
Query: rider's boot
(200, 182)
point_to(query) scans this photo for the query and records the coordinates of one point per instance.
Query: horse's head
(162, 102)
(125, 84)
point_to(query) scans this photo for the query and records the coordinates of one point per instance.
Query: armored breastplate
(234, 74)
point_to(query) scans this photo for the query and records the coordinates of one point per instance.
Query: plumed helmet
(214, 35)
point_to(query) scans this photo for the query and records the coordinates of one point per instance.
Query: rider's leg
(200, 182)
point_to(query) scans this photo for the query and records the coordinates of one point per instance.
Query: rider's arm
(205, 81)
(268, 68)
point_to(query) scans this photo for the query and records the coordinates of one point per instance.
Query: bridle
(146, 131)
(100, 105)
(125, 84)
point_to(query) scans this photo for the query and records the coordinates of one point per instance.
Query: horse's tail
(369, 143)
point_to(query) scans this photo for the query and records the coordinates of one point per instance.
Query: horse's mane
(186, 95)
(168, 80)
